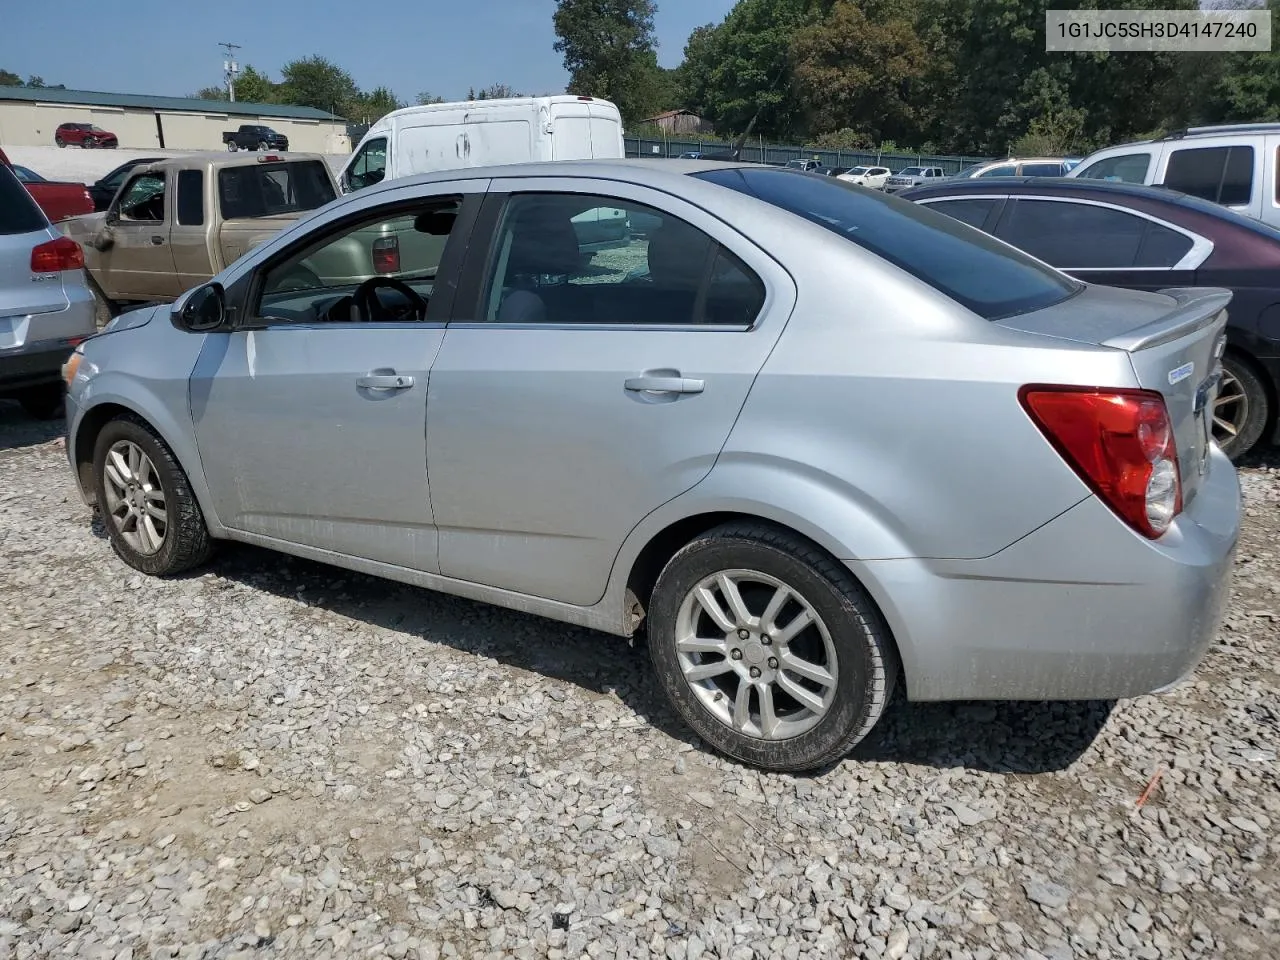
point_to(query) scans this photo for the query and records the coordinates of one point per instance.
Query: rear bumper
(31, 366)
(1081, 609)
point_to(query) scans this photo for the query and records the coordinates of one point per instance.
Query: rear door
(574, 394)
(572, 124)
(22, 293)
(139, 264)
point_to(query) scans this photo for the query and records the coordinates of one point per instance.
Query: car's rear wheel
(768, 648)
(232, 148)
(263, 145)
(45, 402)
(150, 512)
(1243, 408)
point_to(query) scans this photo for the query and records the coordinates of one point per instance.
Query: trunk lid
(1174, 338)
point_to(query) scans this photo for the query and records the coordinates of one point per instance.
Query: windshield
(979, 272)
(97, 129)
(911, 172)
(265, 190)
(27, 175)
(859, 171)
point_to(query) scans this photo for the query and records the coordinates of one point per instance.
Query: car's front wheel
(151, 514)
(231, 147)
(1242, 410)
(768, 648)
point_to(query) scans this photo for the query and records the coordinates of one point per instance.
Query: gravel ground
(76, 165)
(271, 758)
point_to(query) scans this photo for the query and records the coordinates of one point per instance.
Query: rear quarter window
(18, 212)
(269, 189)
(975, 270)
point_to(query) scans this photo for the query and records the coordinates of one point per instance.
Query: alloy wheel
(135, 497)
(756, 654)
(1230, 409)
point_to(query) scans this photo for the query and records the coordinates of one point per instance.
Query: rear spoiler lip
(1198, 307)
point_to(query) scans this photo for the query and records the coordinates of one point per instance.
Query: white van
(477, 133)
(1236, 165)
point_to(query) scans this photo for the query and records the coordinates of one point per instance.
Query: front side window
(554, 264)
(1125, 167)
(973, 211)
(1218, 174)
(143, 199)
(911, 172)
(381, 269)
(859, 171)
(974, 270)
(369, 166)
(264, 190)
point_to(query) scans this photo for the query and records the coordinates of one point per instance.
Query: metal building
(30, 115)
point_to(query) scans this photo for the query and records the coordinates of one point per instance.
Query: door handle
(158, 241)
(664, 385)
(385, 382)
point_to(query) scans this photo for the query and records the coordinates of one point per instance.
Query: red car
(85, 135)
(58, 200)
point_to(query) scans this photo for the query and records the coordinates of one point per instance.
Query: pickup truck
(57, 199)
(252, 136)
(177, 222)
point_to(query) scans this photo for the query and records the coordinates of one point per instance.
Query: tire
(45, 402)
(60, 143)
(847, 637)
(1243, 408)
(264, 146)
(231, 147)
(184, 541)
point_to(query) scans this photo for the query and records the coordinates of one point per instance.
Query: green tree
(365, 107)
(609, 51)
(862, 68)
(9, 79)
(319, 83)
(425, 98)
(497, 91)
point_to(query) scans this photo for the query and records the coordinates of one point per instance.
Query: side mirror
(202, 310)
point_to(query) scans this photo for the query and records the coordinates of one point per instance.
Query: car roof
(1089, 189)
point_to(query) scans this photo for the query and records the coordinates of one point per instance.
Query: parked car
(254, 136)
(873, 177)
(103, 191)
(478, 133)
(1147, 238)
(45, 307)
(1235, 165)
(809, 166)
(58, 200)
(177, 222)
(912, 177)
(86, 135)
(667, 440)
(1016, 167)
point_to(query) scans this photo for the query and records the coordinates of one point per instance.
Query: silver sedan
(811, 439)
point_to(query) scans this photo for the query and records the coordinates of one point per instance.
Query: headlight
(72, 366)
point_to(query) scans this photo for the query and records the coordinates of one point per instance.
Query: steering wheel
(373, 310)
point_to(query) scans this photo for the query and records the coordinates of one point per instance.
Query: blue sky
(170, 47)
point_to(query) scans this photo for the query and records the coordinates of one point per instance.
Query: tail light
(386, 255)
(1121, 444)
(270, 158)
(57, 255)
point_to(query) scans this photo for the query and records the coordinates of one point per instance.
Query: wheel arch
(90, 423)
(662, 544)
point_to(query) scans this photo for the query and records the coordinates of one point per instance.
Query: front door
(311, 418)
(579, 389)
(139, 263)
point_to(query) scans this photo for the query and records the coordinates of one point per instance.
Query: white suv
(1235, 165)
(873, 177)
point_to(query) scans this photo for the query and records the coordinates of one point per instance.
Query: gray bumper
(1081, 609)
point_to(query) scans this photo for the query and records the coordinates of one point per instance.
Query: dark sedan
(1149, 238)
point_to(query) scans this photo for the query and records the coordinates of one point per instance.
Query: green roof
(94, 98)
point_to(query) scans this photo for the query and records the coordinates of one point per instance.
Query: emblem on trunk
(1178, 374)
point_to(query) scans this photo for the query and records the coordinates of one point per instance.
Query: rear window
(268, 189)
(18, 212)
(984, 275)
(1221, 174)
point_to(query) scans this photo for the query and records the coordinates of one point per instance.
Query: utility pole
(230, 68)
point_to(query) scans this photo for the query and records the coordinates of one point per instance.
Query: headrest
(677, 255)
(436, 223)
(544, 242)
